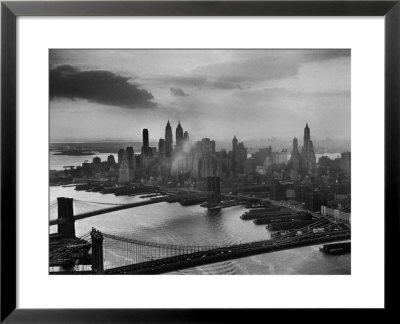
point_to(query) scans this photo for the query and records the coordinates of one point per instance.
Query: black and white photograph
(200, 161)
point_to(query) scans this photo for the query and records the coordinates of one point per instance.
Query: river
(192, 225)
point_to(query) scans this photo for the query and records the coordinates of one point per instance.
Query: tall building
(307, 153)
(111, 159)
(345, 162)
(213, 184)
(234, 154)
(121, 154)
(241, 157)
(208, 166)
(131, 162)
(161, 147)
(295, 157)
(262, 154)
(207, 146)
(314, 200)
(186, 137)
(179, 136)
(234, 144)
(279, 157)
(123, 169)
(250, 166)
(145, 147)
(168, 140)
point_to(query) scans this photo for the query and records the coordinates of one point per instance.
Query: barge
(336, 248)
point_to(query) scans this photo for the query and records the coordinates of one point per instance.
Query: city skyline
(178, 137)
(216, 159)
(297, 200)
(207, 91)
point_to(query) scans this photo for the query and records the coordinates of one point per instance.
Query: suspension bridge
(116, 207)
(213, 195)
(114, 254)
(99, 252)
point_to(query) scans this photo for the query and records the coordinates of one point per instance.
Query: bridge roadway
(228, 253)
(174, 197)
(129, 205)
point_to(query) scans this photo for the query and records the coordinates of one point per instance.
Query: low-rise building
(337, 214)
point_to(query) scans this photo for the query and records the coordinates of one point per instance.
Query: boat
(336, 248)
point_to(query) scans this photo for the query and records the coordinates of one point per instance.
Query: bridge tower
(213, 184)
(97, 251)
(66, 222)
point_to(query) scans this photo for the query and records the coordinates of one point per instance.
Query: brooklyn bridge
(99, 252)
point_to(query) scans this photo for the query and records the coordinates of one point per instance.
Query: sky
(100, 95)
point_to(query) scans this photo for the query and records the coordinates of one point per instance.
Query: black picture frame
(10, 11)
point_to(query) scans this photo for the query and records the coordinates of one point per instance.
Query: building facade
(308, 159)
(168, 140)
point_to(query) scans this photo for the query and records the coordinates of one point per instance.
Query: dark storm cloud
(178, 92)
(98, 86)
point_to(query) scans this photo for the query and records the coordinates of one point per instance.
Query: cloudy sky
(253, 94)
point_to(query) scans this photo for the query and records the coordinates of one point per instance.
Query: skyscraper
(186, 137)
(307, 152)
(110, 160)
(345, 162)
(207, 146)
(241, 157)
(295, 157)
(161, 147)
(168, 140)
(179, 136)
(123, 168)
(234, 154)
(131, 162)
(121, 154)
(234, 144)
(145, 147)
(306, 136)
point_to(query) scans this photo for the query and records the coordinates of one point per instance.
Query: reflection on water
(172, 223)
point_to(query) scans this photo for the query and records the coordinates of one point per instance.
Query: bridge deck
(226, 253)
(126, 206)
(176, 196)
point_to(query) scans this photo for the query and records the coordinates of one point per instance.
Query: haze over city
(200, 162)
(98, 95)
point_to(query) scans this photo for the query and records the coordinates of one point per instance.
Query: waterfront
(210, 127)
(192, 225)
(57, 162)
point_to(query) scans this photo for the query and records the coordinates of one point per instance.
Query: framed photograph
(162, 158)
